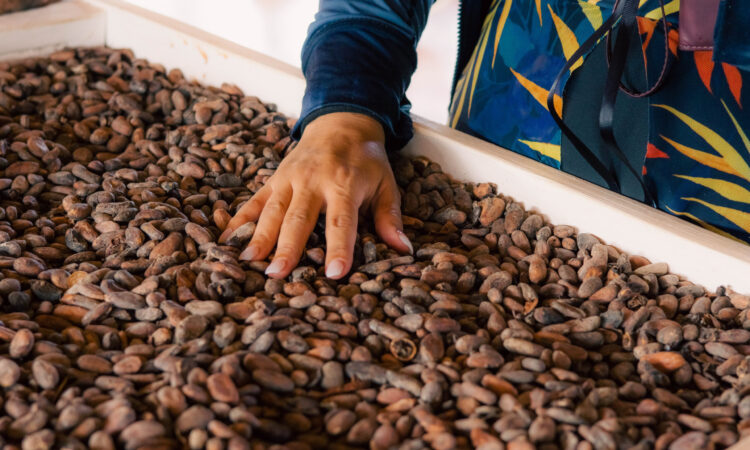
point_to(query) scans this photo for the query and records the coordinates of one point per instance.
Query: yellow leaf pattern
(740, 131)
(701, 168)
(726, 189)
(472, 71)
(593, 13)
(718, 143)
(705, 225)
(538, 92)
(539, 11)
(482, 46)
(739, 218)
(460, 87)
(726, 159)
(567, 39)
(670, 8)
(546, 149)
(500, 27)
(706, 159)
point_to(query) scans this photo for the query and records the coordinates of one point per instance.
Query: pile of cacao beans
(125, 324)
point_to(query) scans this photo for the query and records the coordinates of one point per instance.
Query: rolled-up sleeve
(359, 56)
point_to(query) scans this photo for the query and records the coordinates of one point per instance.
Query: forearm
(359, 57)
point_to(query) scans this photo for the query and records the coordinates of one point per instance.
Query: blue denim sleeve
(732, 34)
(359, 56)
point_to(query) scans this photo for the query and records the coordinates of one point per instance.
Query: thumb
(387, 216)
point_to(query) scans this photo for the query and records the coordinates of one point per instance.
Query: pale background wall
(278, 28)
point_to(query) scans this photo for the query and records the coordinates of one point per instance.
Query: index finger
(249, 212)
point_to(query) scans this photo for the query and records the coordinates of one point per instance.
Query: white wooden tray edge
(44, 30)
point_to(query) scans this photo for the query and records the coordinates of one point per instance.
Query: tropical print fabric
(697, 159)
(698, 154)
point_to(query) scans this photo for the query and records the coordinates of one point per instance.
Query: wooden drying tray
(698, 254)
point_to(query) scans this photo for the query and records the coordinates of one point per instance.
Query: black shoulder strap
(628, 26)
(607, 174)
(625, 12)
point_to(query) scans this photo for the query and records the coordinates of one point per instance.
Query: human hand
(338, 167)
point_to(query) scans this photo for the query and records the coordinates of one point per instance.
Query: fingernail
(249, 253)
(276, 266)
(335, 269)
(406, 241)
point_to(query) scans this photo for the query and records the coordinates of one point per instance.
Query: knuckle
(235, 221)
(246, 210)
(287, 250)
(389, 192)
(275, 207)
(343, 220)
(258, 195)
(246, 205)
(338, 251)
(393, 211)
(298, 216)
(254, 201)
(261, 239)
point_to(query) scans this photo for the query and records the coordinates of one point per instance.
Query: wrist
(354, 127)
